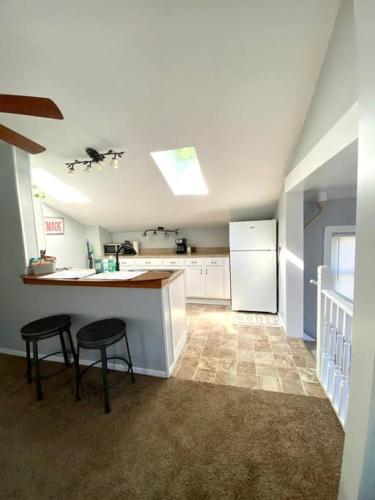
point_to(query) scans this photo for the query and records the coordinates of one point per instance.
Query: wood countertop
(150, 279)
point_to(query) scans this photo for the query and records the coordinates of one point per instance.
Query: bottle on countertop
(98, 266)
(111, 264)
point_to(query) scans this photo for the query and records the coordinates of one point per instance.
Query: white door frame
(294, 265)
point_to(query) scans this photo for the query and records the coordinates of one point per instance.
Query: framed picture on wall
(54, 225)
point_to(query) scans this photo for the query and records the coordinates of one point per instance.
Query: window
(181, 170)
(339, 255)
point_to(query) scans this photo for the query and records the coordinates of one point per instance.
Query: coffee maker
(181, 246)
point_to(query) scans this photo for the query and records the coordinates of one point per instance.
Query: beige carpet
(164, 439)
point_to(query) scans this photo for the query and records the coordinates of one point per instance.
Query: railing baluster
(331, 360)
(338, 370)
(334, 339)
(324, 363)
(338, 356)
(344, 386)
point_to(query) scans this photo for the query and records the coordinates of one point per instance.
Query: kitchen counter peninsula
(152, 304)
(150, 279)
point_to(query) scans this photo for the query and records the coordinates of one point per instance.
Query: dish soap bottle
(111, 264)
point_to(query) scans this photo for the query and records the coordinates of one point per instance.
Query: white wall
(199, 237)
(289, 215)
(24, 191)
(69, 248)
(337, 87)
(335, 213)
(13, 293)
(97, 237)
(104, 237)
(280, 216)
(336, 92)
(293, 258)
(357, 476)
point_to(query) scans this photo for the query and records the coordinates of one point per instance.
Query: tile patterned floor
(257, 357)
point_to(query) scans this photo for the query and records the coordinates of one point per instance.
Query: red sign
(53, 225)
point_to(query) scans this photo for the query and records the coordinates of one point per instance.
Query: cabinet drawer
(128, 262)
(174, 262)
(214, 261)
(124, 267)
(149, 262)
(194, 262)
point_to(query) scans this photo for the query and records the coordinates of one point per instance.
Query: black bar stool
(42, 329)
(100, 335)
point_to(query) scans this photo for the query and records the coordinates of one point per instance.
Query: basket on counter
(44, 268)
(44, 265)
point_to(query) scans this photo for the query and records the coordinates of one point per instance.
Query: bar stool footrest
(57, 372)
(81, 373)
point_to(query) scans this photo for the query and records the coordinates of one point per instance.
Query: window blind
(343, 263)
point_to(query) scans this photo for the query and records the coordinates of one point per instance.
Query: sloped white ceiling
(234, 79)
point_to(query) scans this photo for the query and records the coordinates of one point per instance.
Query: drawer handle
(194, 262)
(173, 262)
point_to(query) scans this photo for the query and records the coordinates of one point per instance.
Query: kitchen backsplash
(198, 237)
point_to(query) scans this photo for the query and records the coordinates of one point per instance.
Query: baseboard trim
(85, 362)
(213, 302)
(281, 322)
(179, 349)
(308, 337)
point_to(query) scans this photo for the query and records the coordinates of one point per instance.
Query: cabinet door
(214, 277)
(194, 284)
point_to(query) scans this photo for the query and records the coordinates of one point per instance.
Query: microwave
(111, 248)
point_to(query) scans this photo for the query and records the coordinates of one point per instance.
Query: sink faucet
(127, 245)
(119, 248)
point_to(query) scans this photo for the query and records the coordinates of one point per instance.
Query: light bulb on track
(114, 163)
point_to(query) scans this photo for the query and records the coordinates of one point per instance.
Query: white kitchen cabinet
(214, 282)
(205, 277)
(194, 282)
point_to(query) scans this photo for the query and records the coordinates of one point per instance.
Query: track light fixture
(95, 159)
(160, 229)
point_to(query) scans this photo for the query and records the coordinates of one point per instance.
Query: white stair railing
(334, 341)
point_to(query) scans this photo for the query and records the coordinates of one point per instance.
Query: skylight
(52, 186)
(181, 169)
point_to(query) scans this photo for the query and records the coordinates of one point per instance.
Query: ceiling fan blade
(28, 105)
(18, 140)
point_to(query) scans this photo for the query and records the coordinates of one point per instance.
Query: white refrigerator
(253, 265)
